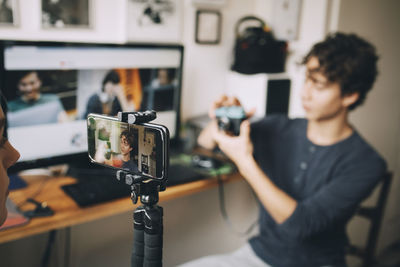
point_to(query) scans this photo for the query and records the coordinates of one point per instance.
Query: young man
(127, 145)
(111, 99)
(29, 88)
(309, 174)
(8, 156)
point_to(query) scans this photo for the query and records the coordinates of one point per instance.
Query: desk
(68, 213)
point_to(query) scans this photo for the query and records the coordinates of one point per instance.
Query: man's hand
(227, 101)
(238, 148)
(206, 138)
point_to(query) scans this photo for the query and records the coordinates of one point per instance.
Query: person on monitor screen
(8, 156)
(127, 147)
(164, 77)
(111, 99)
(32, 106)
(311, 174)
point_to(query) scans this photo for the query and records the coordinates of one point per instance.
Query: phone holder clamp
(137, 117)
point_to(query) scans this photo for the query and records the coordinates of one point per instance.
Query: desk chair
(375, 215)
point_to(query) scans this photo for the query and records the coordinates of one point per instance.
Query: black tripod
(147, 218)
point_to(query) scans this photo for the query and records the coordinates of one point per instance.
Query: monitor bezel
(82, 156)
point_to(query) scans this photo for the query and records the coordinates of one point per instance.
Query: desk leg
(47, 252)
(67, 246)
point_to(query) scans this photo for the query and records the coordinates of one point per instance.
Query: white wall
(378, 119)
(312, 25)
(109, 30)
(205, 66)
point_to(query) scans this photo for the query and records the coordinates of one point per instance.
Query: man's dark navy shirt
(328, 183)
(130, 166)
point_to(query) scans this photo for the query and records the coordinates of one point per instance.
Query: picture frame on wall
(155, 21)
(9, 13)
(208, 27)
(59, 14)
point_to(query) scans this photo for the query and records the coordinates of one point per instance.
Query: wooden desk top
(68, 213)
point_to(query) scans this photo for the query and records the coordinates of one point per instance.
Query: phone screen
(139, 149)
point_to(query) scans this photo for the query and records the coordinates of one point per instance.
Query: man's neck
(329, 131)
(28, 100)
(126, 157)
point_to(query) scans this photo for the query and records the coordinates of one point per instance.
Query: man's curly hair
(349, 60)
(128, 136)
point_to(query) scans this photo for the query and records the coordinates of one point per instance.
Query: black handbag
(256, 50)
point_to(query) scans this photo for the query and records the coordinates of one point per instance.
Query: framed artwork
(155, 20)
(208, 27)
(9, 15)
(67, 14)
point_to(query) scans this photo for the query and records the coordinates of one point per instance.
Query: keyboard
(180, 174)
(96, 190)
(98, 184)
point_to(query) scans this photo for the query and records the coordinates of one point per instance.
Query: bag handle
(247, 18)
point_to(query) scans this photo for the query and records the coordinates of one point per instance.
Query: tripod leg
(138, 238)
(153, 237)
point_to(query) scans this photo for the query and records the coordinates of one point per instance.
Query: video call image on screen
(50, 92)
(117, 145)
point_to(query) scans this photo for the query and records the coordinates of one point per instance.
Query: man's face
(163, 77)
(125, 146)
(321, 99)
(29, 86)
(8, 156)
(111, 89)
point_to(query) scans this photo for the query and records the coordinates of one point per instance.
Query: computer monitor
(51, 87)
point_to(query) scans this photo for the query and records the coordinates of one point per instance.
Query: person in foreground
(8, 156)
(309, 175)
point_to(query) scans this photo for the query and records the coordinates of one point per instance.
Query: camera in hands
(230, 118)
(140, 149)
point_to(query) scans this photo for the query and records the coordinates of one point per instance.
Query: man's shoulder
(362, 147)
(48, 97)
(15, 105)
(94, 98)
(359, 153)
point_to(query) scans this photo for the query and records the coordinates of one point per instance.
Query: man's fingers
(245, 128)
(223, 101)
(220, 136)
(217, 104)
(251, 113)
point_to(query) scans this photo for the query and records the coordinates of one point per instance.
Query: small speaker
(278, 94)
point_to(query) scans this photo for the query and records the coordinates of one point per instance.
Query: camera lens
(223, 123)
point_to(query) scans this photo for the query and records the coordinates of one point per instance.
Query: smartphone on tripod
(141, 149)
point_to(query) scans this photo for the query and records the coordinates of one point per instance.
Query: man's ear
(350, 98)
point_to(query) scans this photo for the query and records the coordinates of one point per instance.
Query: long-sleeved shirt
(328, 183)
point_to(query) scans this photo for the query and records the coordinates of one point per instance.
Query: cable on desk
(35, 194)
(224, 214)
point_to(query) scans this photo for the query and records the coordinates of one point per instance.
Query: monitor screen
(52, 87)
